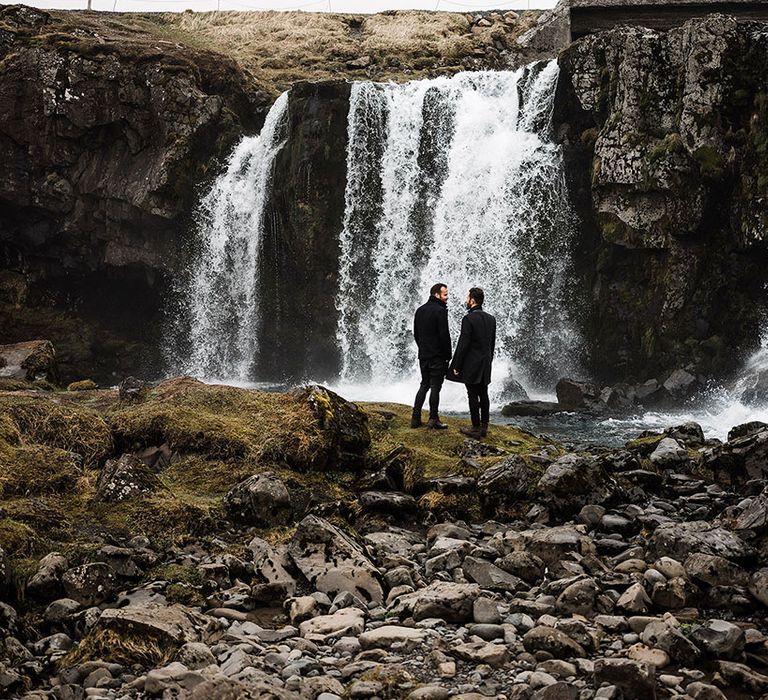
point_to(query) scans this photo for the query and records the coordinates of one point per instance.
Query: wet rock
(574, 395)
(680, 539)
(388, 502)
(524, 565)
(195, 655)
(635, 679)
(669, 453)
(124, 479)
(29, 361)
(719, 638)
(332, 561)
(488, 575)
(503, 483)
(90, 584)
(663, 636)
(571, 482)
(758, 585)
(261, 500)
(552, 641)
(579, 598)
(755, 515)
(714, 571)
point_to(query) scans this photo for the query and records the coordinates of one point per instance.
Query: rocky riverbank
(189, 540)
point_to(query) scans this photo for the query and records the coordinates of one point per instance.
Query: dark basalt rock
(662, 132)
(103, 142)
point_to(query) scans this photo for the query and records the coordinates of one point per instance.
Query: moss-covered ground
(54, 444)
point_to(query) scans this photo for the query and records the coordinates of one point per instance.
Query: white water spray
(221, 299)
(466, 189)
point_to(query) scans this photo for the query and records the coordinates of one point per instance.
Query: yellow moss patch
(127, 649)
(437, 452)
(83, 385)
(17, 538)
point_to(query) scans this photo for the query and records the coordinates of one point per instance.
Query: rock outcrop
(664, 134)
(104, 137)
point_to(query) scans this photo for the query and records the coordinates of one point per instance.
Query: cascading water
(461, 185)
(219, 315)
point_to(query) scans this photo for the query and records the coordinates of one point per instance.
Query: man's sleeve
(445, 336)
(463, 345)
(416, 327)
(493, 339)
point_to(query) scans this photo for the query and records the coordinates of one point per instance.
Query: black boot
(416, 419)
(483, 429)
(435, 424)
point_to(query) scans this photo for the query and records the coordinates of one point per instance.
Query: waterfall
(219, 296)
(461, 184)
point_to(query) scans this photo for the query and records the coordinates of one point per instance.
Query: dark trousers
(479, 403)
(432, 377)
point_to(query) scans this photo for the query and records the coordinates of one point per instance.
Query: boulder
(680, 539)
(387, 502)
(343, 623)
(489, 576)
(505, 482)
(712, 570)
(452, 602)
(167, 626)
(272, 564)
(124, 479)
(29, 361)
(261, 500)
(636, 680)
(46, 582)
(332, 562)
(719, 638)
(90, 584)
(343, 426)
(758, 585)
(571, 482)
(669, 453)
(741, 458)
(384, 637)
(573, 395)
(755, 515)
(552, 641)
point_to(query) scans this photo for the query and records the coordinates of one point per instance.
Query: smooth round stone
(487, 632)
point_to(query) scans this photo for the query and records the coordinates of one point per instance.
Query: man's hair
(436, 288)
(478, 295)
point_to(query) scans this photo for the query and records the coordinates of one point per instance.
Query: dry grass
(276, 49)
(40, 420)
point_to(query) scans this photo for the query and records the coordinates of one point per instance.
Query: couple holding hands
(471, 363)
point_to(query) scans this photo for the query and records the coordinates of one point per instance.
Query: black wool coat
(430, 329)
(474, 351)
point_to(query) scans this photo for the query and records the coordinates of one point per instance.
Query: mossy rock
(224, 422)
(83, 385)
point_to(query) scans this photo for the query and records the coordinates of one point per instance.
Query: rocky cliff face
(666, 137)
(103, 140)
(301, 246)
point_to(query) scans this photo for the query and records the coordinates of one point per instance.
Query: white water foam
(220, 301)
(499, 218)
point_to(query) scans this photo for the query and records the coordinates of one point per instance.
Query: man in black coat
(430, 329)
(472, 361)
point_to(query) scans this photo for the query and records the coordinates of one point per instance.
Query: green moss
(123, 648)
(184, 594)
(53, 423)
(17, 538)
(712, 164)
(176, 573)
(34, 470)
(671, 143)
(219, 422)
